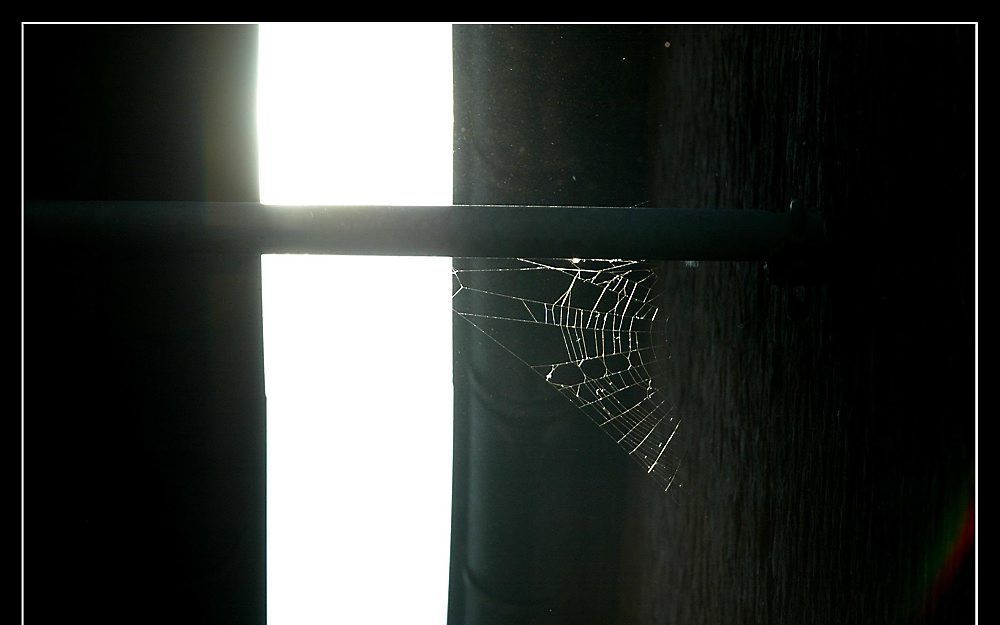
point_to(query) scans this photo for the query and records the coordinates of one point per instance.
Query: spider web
(592, 329)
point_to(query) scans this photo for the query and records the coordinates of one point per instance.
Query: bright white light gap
(357, 349)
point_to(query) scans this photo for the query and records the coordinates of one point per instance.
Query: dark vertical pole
(538, 509)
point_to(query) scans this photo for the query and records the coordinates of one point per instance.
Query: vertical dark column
(543, 115)
(144, 398)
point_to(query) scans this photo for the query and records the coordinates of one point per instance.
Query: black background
(144, 398)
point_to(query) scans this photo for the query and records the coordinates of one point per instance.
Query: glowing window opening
(357, 350)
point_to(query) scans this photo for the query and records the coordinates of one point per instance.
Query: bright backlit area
(355, 114)
(357, 350)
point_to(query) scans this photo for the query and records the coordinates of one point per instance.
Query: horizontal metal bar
(500, 231)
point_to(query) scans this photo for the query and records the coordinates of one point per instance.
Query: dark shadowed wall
(144, 397)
